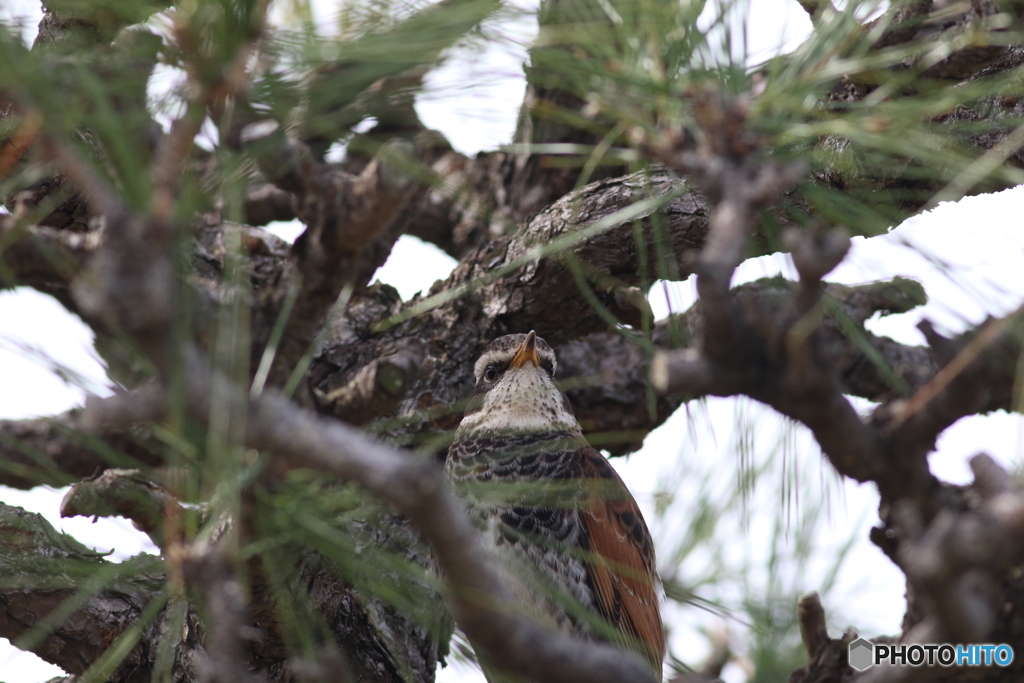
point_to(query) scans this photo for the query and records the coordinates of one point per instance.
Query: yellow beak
(527, 352)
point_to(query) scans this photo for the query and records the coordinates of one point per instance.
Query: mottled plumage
(563, 527)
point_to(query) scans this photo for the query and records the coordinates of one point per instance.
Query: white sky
(965, 278)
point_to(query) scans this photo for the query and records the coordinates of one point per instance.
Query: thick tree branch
(901, 22)
(955, 391)
(872, 367)
(346, 218)
(129, 494)
(467, 205)
(608, 227)
(44, 258)
(70, 27)
(66, 604)
(58, 450)
(377, 389)
(980, 45)
(266, 203)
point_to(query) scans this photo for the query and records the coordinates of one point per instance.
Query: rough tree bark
(534, 252)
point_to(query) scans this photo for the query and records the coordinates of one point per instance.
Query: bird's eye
(549, 367)
(491, 373)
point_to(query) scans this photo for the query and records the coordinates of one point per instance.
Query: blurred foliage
(767, 493)
(912, 136)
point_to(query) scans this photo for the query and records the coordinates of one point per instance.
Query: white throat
(524, 400)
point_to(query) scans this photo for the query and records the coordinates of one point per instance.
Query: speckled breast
(521, 491)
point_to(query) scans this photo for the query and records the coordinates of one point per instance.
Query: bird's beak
(527, 352)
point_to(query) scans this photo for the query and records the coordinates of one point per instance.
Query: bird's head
(515, 389)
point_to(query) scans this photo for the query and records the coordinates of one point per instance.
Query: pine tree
(277, 420)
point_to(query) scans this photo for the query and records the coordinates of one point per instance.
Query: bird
(558, 520)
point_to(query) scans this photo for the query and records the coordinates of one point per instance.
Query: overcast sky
(474, 101)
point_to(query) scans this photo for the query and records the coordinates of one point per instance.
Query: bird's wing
(623, 567)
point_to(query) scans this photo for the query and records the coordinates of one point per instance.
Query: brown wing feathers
(622, 573)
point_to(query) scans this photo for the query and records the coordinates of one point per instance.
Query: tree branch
(960, 568)
(417, 489)
(44, 258)
(208, 569)
(58, 450)
(69, 27)
(901, 22)
(465, 207)
(817, 9)
(266, 203)
(783, 362)
(378, 388)
(130, 494)
(826, 657)
(345, 217)
(979, 379)
(63, 602)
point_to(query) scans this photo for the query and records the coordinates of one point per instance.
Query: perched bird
(568, 535)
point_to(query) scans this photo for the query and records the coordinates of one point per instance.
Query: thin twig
(207, 568)
(988, 336)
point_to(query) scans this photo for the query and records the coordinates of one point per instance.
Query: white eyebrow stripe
(505, 356)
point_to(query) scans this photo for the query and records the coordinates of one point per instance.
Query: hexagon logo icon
(861, 654)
